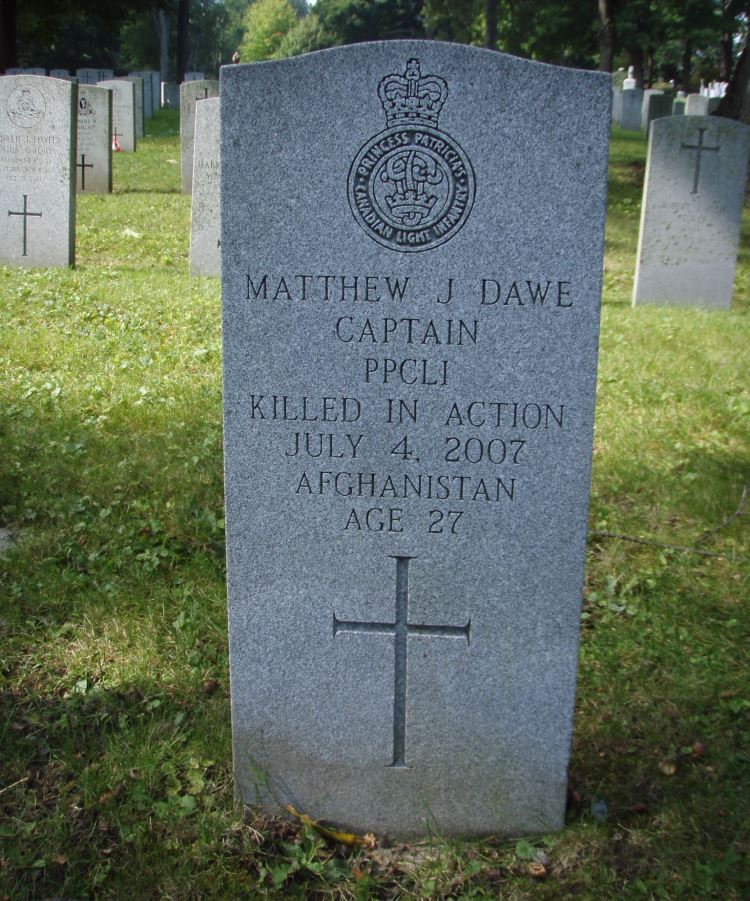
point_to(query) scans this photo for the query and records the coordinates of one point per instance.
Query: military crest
(411, 187)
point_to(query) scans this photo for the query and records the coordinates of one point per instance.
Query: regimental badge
(26, 107)
(411, 187)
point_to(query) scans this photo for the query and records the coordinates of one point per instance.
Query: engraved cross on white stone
(401, 629)
(700, 147)
(25, 213)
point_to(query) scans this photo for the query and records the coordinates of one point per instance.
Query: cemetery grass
(115, 736)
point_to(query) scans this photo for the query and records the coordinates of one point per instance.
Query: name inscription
(371, 454)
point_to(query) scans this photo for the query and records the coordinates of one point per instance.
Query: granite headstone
(148, 101)
(94, 151)
(696, 105)
(190, 93)
(87, 76)
(139, 104)
(411, 275)
(170, 95)
(630, 115)
(658, 107)
(691, 212)
(123, 113)
(205, 224)
(37, 171)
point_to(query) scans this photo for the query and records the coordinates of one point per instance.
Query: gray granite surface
(123, 112)
(630, 111)
(140, 118)
(37, 171)
(205, 223)
(691, 212)
(696, 105)
(94, 150)
(190, 93)
(412, 243)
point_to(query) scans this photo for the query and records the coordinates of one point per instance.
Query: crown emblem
(410, 98)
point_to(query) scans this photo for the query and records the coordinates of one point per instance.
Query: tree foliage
(354, 21)
(307, 35)
(266, 23)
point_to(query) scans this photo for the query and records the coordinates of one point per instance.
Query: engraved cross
(83, 166)
(701, 148)
(25, 213)
(205, 95)
(401, 629)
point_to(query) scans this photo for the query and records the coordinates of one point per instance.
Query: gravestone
(37, 171)
(658, 107)
(411, 275)
(105, 74)
(94, 150)
(148, 103)
(632, 102)
(170, 95)
(678, 107)
(123, 113)
(87, 76)
(139, 103)
(696, 105)
(195, 76)
(691, 212)
(616, 105)
(190, 93)
(205, 253)
(60, 73)
(645, 103)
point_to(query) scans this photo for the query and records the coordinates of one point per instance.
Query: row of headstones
(634, 109)
(57, 139)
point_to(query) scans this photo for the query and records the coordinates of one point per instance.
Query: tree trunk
(725, 71)
(8, 53)
(636, 61)
(490, 24)
(736, 103)
(183, 23)
(687, 65)
(163, 45)
(606, 36)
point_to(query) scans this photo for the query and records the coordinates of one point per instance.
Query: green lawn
(115, 763)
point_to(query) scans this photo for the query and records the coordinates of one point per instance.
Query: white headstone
(696, 105)
(60, 73)
(190, 93)
(691, 212)
(205, 222)
(94, 151)
(105, 74)
(123, 113)
(37, 171)
(629, 83)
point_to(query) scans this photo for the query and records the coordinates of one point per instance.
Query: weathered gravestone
(616, 105)
(205, 225)
(37, 171)
(139, 104)
(190, 93)
(696, 105)
(105, 74)
(87, 76)
(170, 95)
(94, 150)
(691, 212)
(411, 275)
(658, 106)
(148, 103)
(123, 113)
(61, 73)
(678, 107)
(630, 114)
(194, 76)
